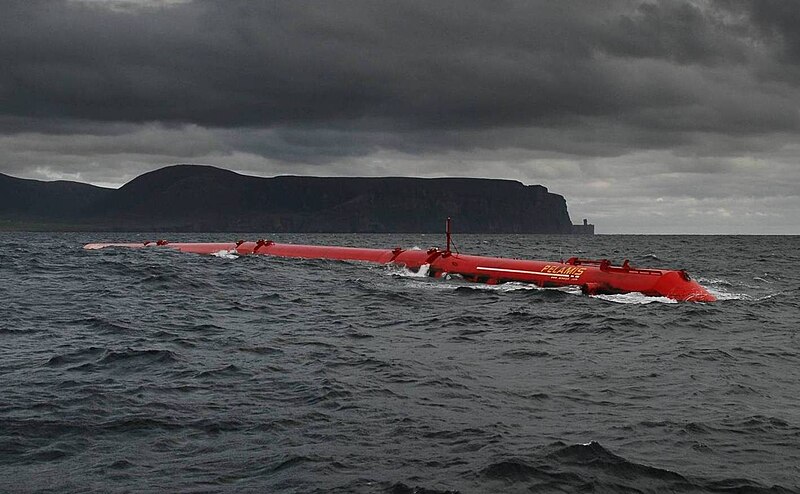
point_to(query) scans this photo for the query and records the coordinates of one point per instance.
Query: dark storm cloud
(400, 65)
(777, 20)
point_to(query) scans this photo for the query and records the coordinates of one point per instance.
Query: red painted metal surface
(592, 276)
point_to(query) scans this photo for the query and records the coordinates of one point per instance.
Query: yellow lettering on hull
(572, 271)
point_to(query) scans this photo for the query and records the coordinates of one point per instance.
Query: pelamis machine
(594, 277)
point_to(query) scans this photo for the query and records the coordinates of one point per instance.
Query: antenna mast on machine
(447, 233)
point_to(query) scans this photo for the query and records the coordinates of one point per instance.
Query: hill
(26, 202)
(205, 198)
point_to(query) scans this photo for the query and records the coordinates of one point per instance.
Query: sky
(678, 116)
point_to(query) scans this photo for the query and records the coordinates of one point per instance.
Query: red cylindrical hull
(593, 277)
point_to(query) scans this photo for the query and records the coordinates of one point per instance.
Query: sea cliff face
(205, 198)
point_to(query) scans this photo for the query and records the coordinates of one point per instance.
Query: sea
(151, 370)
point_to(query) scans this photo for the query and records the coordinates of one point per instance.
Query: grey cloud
(408, 65)
(777, 21)
(682, 32)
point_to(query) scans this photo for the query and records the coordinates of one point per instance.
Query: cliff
(205, 198)
(25, 202)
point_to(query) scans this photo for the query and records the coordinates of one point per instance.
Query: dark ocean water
(157, 371)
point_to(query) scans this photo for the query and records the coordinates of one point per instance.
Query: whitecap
(226, 254)
(506, 287)
(635, 298)
(723, 295)
(404, 272)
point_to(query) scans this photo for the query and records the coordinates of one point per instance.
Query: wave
(226, 254)
(146, 356)
(525, 354)
(93, 358)
(635, 298)
(404, 272)
(590, 467)
(401, 488)
(723, 293)
(228, 371)
(81, 355)
(726, 290)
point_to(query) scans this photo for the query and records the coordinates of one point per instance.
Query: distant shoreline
(201, 198)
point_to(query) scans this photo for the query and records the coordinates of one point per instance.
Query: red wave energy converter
(594, 277)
